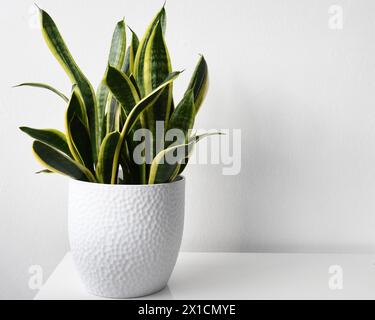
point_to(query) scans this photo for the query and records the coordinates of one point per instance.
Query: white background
(302, 93)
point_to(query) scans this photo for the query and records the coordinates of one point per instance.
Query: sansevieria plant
(102, 128)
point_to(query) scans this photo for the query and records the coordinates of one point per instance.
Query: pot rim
(179, 179)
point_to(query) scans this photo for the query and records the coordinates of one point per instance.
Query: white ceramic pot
(125, 239)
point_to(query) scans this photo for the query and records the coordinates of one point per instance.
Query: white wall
(303, 95)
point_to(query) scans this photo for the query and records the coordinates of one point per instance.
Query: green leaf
(105, 159)
(195, 138)
(116, 59)
(81, 140)
(43, 86)
(199, 83)
(183, 116)
(59, 49)
(157, 65)
(76, 132)
(198, 137)
(148, 101)
(128, 66)
(134, 115)
(44, 171)
(157, 62)
(140, 56)
(125, 93)
(58, 162)
(118, 45)
(75, 106)
(161, 169)
(113, 116)
(122, 88)
(152, 65)
(52, 137)
(102, 99)
(134, 82)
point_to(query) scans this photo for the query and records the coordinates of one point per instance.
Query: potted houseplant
(126, 193)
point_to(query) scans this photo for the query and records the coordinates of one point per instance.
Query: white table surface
(242, 276)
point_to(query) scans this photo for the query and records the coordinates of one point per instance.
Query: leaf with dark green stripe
(122, 88)
(199, 83)
(105, 159)
(125, 92)
(75, 106)
(81, 140)
(148, 101)
(134, 115)
(131, 52)
(134, 82)
(58, 162)
(183, 116)
(157, 65)
(118, 45)
(102, 97)
(43, 86)
(166, 164)
(113, 116)
(76, 133)
(59, 49)
(140, 56)
(52, 137)
(116, 58)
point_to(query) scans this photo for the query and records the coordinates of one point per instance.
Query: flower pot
(125, 239)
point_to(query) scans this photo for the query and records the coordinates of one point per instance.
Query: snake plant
(135, 94)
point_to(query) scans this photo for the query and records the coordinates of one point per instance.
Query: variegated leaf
(58, 162)
(199, 83)
(61, 52)
(131, 52)
(134, 115)
(76, 132)
(105, 159)
(43, 86)
(116, 59)
(52, 137)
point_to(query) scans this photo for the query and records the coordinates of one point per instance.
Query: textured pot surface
(125, 238)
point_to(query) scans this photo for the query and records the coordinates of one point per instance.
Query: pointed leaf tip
(121, 21)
